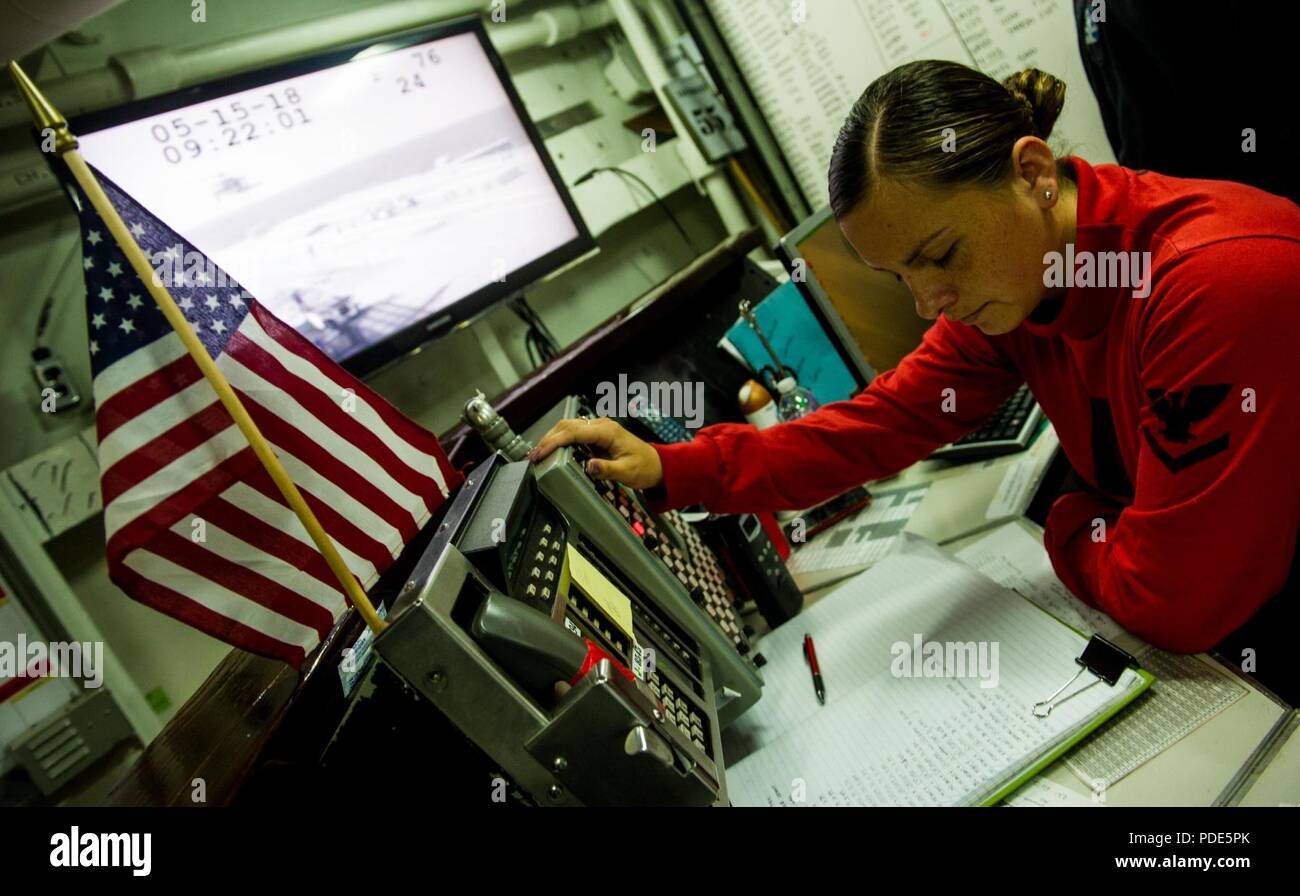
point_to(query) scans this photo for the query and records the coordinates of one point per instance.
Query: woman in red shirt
(1154, 318)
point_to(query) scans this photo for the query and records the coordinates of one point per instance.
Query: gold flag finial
(47, 118)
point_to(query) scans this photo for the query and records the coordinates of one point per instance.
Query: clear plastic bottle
(795, 401)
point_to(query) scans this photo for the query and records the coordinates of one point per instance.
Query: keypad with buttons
(696, 567)
(680, 712)
(540, 560)
(685, 654)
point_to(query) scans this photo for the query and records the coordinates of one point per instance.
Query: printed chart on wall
(807, 62)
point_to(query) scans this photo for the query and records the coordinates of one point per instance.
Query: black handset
(535, 649)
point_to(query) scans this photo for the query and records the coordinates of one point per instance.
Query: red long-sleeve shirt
(1181, 409)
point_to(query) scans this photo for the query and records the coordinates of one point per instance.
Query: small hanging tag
(643, 661)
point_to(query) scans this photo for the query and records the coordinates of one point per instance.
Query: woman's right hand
(621, 456)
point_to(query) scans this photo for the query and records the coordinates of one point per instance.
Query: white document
(1022, 477)
(1187, 693)
(1012, 491)
(856, 541)
(1007, 37)
(891, 732)
(1013, 558)
(807, 63)
(1046, 793)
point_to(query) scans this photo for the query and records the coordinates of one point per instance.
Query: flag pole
(65, 144)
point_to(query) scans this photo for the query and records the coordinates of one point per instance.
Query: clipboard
(854, 632)
(1099, 658)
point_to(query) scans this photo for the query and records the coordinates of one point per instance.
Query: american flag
(195, 527)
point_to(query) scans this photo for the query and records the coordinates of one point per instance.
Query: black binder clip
(1100, 657)
(1105, 660)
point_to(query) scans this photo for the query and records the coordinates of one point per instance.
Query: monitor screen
(371, 197)
(873, 313)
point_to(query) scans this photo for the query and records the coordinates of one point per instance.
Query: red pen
(810, 654)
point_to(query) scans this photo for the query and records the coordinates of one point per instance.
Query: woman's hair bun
(1042, 95)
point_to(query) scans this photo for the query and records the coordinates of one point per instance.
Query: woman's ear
(1034, 168)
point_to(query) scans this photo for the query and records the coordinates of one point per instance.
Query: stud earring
(1047, 194)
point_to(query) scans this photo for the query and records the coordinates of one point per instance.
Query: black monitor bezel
(787, 250)
(370, 360)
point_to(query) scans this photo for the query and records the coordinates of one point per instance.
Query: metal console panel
(438, 658)
(564, 482)
(606, 741)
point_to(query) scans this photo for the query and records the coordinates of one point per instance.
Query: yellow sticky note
(600, 590)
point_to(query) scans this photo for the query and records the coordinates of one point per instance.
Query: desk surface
(1277, 783)
(1196, 770)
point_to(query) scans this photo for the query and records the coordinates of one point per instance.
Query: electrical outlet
(55, 391)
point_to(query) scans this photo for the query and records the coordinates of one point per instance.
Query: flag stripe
(294, 614)
(195, 611)
(315, 470)
(391, 429)
(274, 541)
(117, 441)
(184, 468)
(222, 546)
(175, 451)
(347, 535)
(323, 435)
(138, 397)
(126, 534)
(141, 363)
(413, 472)
(398, 426)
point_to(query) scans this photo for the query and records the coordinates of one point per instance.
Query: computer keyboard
(1008, 430)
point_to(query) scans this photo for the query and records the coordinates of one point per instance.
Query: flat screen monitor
(872, 313)
(372, 196)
